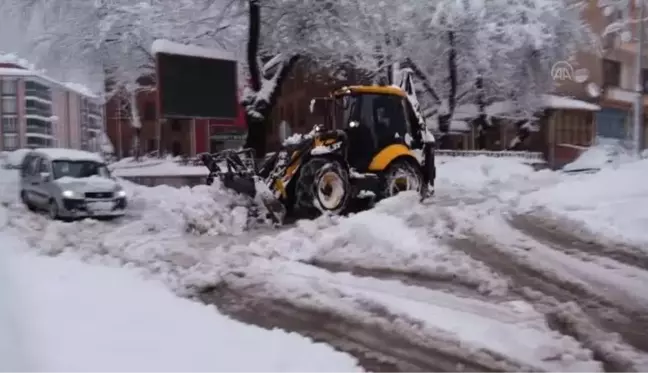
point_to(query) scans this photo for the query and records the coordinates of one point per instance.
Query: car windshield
(79, 169)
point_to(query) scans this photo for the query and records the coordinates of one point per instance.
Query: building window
(38, 108)
(644, 78)
(9, 124)
(39, 126)
(9, 87)
(9, 105)
(176, 125)
(611, 73)
(149, 111)
(9, 142)
(151, 145)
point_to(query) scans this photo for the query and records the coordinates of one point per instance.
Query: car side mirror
(45, 176)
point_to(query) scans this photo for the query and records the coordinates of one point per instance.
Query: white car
(70, 184)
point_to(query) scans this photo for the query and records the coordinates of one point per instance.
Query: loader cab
(373, 117)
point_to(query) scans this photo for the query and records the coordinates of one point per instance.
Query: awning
(563, 102)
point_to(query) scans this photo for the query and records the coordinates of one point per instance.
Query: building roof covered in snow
(12, 65)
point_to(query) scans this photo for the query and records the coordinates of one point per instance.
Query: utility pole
(639, 88)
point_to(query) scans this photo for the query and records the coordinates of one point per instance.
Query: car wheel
(53, 210)
(26, 202)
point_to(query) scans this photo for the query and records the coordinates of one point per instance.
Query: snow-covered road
(480, 279)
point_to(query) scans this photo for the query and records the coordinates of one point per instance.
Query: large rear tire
(322, 187)
(401, 176)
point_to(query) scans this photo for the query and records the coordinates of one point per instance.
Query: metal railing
(529, 156)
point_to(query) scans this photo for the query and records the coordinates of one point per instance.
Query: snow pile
(14, 159)
(81, 317)
(599, 156)
(203, 209)
(612, 203)
(397, 236)
(9, 187)
(482, 175)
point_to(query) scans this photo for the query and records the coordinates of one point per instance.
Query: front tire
(402, 176)
(53, 210)
(322, 187)
(26, 202)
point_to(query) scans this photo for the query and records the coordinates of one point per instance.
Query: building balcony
(38, 99)
(39, 130)
(39, 94)
(39, 135)
(47, 117)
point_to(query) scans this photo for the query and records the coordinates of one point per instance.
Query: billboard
(191, 86)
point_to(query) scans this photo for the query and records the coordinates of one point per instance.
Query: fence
(530, 157)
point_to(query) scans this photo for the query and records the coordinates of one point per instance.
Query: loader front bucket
(240, 184)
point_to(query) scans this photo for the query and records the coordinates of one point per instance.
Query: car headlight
(121, 193)
(69, 194)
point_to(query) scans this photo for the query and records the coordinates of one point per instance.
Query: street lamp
(639, 86)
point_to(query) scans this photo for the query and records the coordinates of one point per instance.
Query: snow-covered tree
(492, 57)
(464, 53)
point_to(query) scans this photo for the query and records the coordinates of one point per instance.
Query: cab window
(385, 115)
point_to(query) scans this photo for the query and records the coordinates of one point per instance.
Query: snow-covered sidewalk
(76, 316)
(611, 204)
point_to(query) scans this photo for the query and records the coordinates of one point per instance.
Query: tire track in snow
(382, 341)
(448, 282)
(550, 294)
(555, 236)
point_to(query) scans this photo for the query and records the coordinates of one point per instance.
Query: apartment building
(37, 111)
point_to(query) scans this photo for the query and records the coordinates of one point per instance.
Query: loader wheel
(323, 186)
(402, 176)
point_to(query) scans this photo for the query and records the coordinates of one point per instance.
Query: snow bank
(14, 159)
(482, 175)
(599, 156)
(612, 203)
(82, 317)
(129, 167)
